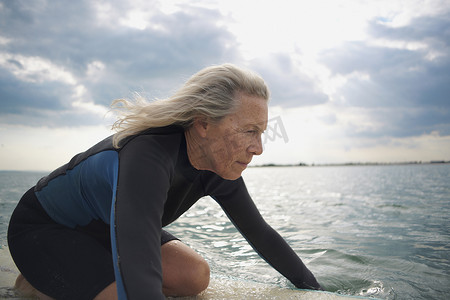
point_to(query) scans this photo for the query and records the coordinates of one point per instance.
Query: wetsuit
(124, 197)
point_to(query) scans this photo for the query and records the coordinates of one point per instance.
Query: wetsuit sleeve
(241, 210)
(145, 170)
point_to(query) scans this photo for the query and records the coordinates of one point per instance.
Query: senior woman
(93, 229)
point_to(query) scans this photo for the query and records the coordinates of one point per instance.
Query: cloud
(58, 55)
(399, 77)
(382, 81)
(432, 31)
(289, 86)
(62, 63)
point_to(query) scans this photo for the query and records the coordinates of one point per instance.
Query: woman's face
(233, 141)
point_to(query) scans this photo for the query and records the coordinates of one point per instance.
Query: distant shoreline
(269, 165)
(354, 164)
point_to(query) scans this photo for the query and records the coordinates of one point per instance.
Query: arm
(241, 210)
(143, 181)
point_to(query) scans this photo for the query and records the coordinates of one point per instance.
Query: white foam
(222, 287)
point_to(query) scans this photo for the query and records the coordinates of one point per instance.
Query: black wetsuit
(125, 196)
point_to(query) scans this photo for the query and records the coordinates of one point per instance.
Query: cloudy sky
(351, 81)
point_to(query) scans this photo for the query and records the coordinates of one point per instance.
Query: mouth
(243, 164)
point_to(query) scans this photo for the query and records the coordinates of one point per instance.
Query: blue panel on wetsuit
(84, 192)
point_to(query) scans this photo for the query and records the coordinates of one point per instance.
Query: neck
(196, 150)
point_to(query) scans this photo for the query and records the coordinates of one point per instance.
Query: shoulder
(154, 151)
(163, 141)
(154, 133)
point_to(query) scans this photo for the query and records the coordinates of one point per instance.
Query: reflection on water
(379, 231)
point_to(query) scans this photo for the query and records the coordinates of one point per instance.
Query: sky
(350, 81)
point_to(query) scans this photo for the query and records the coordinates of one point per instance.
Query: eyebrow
(257, 126)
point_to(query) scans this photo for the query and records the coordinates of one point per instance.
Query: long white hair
(210, 93)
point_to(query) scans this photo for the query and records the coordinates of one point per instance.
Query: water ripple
(375, 231)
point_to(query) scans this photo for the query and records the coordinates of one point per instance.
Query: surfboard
(220, 287)
(8, 275)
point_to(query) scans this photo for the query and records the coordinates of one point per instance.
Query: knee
(199, 277)
(189, 281)
(185, 273)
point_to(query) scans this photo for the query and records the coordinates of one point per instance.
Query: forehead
(252, 110)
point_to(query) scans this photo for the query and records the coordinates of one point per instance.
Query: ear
(201, 126)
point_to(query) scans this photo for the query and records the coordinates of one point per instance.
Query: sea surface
(375, 231)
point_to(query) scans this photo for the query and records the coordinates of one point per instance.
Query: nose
(256, 147)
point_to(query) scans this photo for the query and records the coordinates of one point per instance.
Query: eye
(253, 132)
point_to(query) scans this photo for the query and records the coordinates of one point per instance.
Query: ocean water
(374, 231)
